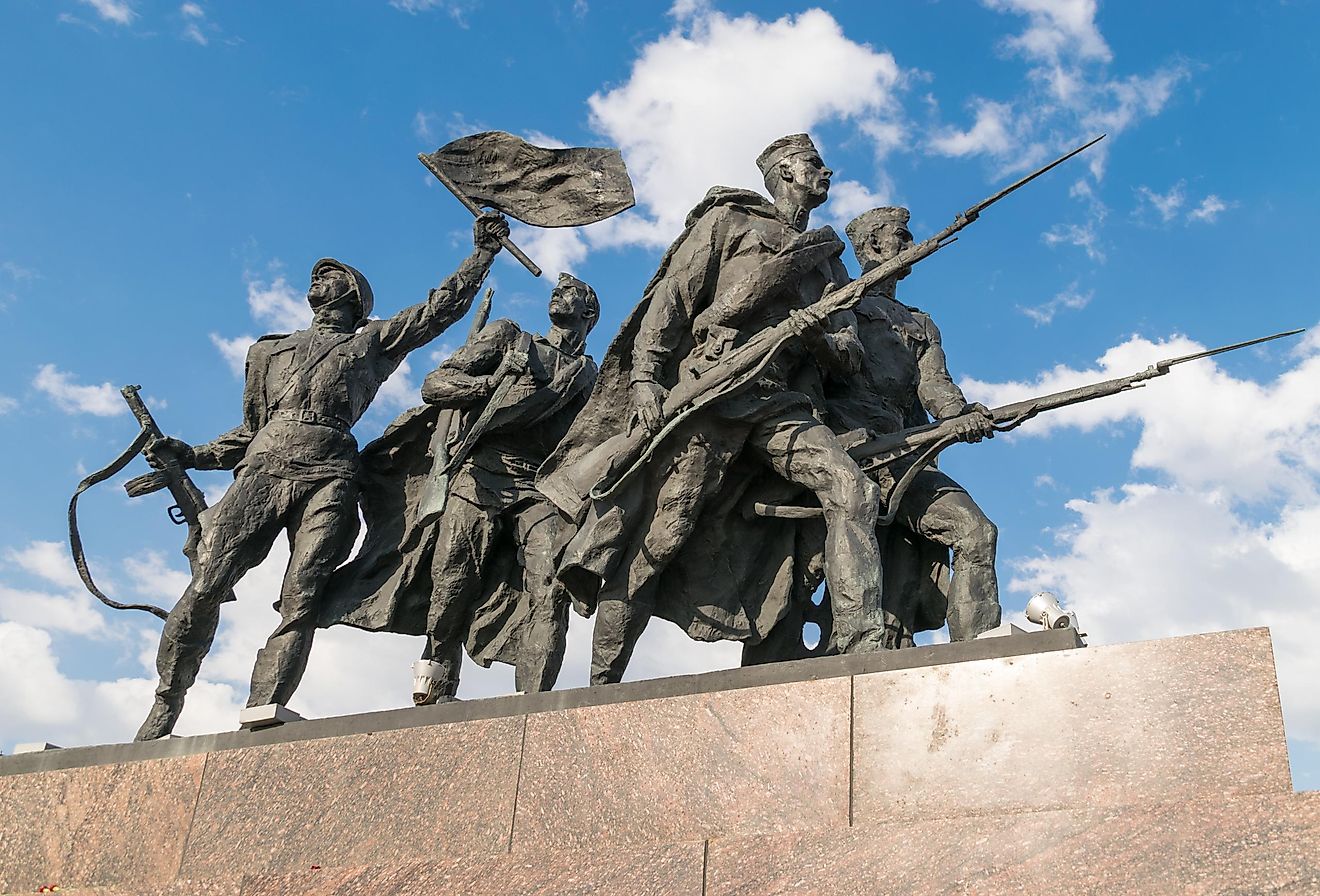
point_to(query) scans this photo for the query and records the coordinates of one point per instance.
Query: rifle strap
(75, 539)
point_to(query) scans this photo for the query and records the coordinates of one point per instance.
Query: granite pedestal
(1016, 764)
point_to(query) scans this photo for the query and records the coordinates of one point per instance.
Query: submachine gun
(186, 510)
(928, 441)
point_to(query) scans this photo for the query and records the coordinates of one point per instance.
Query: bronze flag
(539, 186)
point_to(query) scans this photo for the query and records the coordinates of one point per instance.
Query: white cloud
(990, 134)
(697, 107)
(120, 12)
(1223, 538)
(192, 11)
(101, 401)
(193, 32)
(1057, 29)
(49, 560)
(399, 392)
(7, 404)
(74, 613)
(1084, 236)
(1209, 210)
(553, 249)
(1160, 561)
(1270, 450)
(1166, 205)
(153, 577)
(1070, 299)
(848, 199)
(277, 304)
(1069, 94)
(234, 351)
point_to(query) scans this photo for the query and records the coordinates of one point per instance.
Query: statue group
(762, 425)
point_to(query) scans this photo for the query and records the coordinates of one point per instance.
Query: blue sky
(170, 172)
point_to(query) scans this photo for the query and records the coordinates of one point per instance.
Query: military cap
(784, 148)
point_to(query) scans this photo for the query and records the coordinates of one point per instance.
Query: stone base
(1008, 765)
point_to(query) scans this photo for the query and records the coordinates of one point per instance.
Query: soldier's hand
(488, 230)
(808, 322)
(974, 423)
(649, 405)
(160, 452)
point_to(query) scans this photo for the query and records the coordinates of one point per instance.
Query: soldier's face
(570, 308)
(809, 172)
(329, 286)
(886, 242)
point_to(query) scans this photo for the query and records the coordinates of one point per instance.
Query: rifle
(187, 508)
(435, 492)
(624, 454)
(932, 438)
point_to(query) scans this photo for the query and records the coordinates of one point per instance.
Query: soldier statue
(657, 543)
(903, 377)
(460, 545)
(295, 464)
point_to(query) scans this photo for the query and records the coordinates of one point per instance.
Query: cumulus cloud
(1218, 525)
(103, 400)
(1261, 442)
(48, 560)
(1057, 29)
(7, 404)
(120, 12)
(994, 132)
(399, 392)
(234, 351)
(277, 304)
(696, 108)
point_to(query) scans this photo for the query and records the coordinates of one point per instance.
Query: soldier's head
(793, 170)
(337, 286)
(879, 235)
(573, 305)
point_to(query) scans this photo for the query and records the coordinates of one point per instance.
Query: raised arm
(415, 326)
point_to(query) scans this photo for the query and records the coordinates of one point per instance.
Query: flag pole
(476, 211)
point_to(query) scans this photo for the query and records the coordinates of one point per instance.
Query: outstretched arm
(414, 327)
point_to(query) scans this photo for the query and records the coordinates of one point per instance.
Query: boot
(160, 721)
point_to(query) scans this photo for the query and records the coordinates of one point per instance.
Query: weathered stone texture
(1157, 721)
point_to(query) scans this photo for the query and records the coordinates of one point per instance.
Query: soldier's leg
(322, 525)
(538, 529)
(807, 452)
(463, 539)
(239, 532)
(940, 509)
(625, 604)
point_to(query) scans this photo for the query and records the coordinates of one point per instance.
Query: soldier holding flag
(295, 463)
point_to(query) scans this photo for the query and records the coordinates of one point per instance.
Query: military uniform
(904, 375)
(295, 461)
